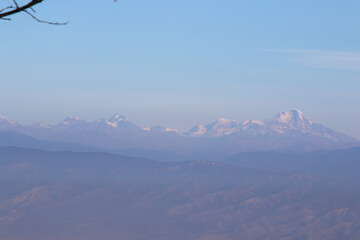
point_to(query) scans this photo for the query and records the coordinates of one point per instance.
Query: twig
(42, 21)
(16, 4)
(9, 7)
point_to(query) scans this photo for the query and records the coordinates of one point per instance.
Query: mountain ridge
(286, 131)
(91, 196)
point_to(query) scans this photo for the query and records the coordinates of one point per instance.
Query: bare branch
(42, 21)
(9, 7)
(17, 6)
(19, 9)
(29, 6)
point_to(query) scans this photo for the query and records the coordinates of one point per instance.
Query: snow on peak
(2, 118)
(283, 122)
(297, 112)
(172, 130)
(71, 122)
(221, 127)
(39, 125)
(119, 120)
(292, 115)
(225, 121)
(6, 122)
(251, 122)
(289, 120)
(72, 119)
(159, 128)
(197, 131)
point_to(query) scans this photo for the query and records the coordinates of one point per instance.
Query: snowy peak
(39, 125)
(197, 131)
(161, 129)
(224, 123)
(253, 122)
(284, 122)
(72, 120)
(221, 127)
(71, 123)
(253, 126)
(250, 134)
(119, 120)
(76, 123)
(294, 115)
(289, 120)
(6, 123)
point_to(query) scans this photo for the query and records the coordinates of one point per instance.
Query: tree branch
(5, 12)
(42, 21)
(17, 6)
(18, 9)
(9, 7)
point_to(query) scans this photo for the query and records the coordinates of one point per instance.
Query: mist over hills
(342, 165)
(288, 131)
(69, 195)
(94, 180)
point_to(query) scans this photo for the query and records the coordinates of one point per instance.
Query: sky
(180, 63)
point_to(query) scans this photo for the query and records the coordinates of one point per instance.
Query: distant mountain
(75, 123)
(91, 196)
(219, 128)
(293, 122)
(288, 131)
(285, 123)
(6, 123)
(15, 139)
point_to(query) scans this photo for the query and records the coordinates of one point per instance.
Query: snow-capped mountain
(286, 131)
(120, 121)
(6, 123)
(253, 127)
(219, 128)
(161, 129)
(71, 123)
(288, 121)
(77, 124)
(284, 123)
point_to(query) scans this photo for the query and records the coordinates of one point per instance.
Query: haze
(179, 63)
(195, 120)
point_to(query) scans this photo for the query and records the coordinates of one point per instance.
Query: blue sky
(179, 63)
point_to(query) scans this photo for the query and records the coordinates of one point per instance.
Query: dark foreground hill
(91, 196)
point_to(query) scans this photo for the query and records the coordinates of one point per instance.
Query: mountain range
(283, 178)
(288, 131)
